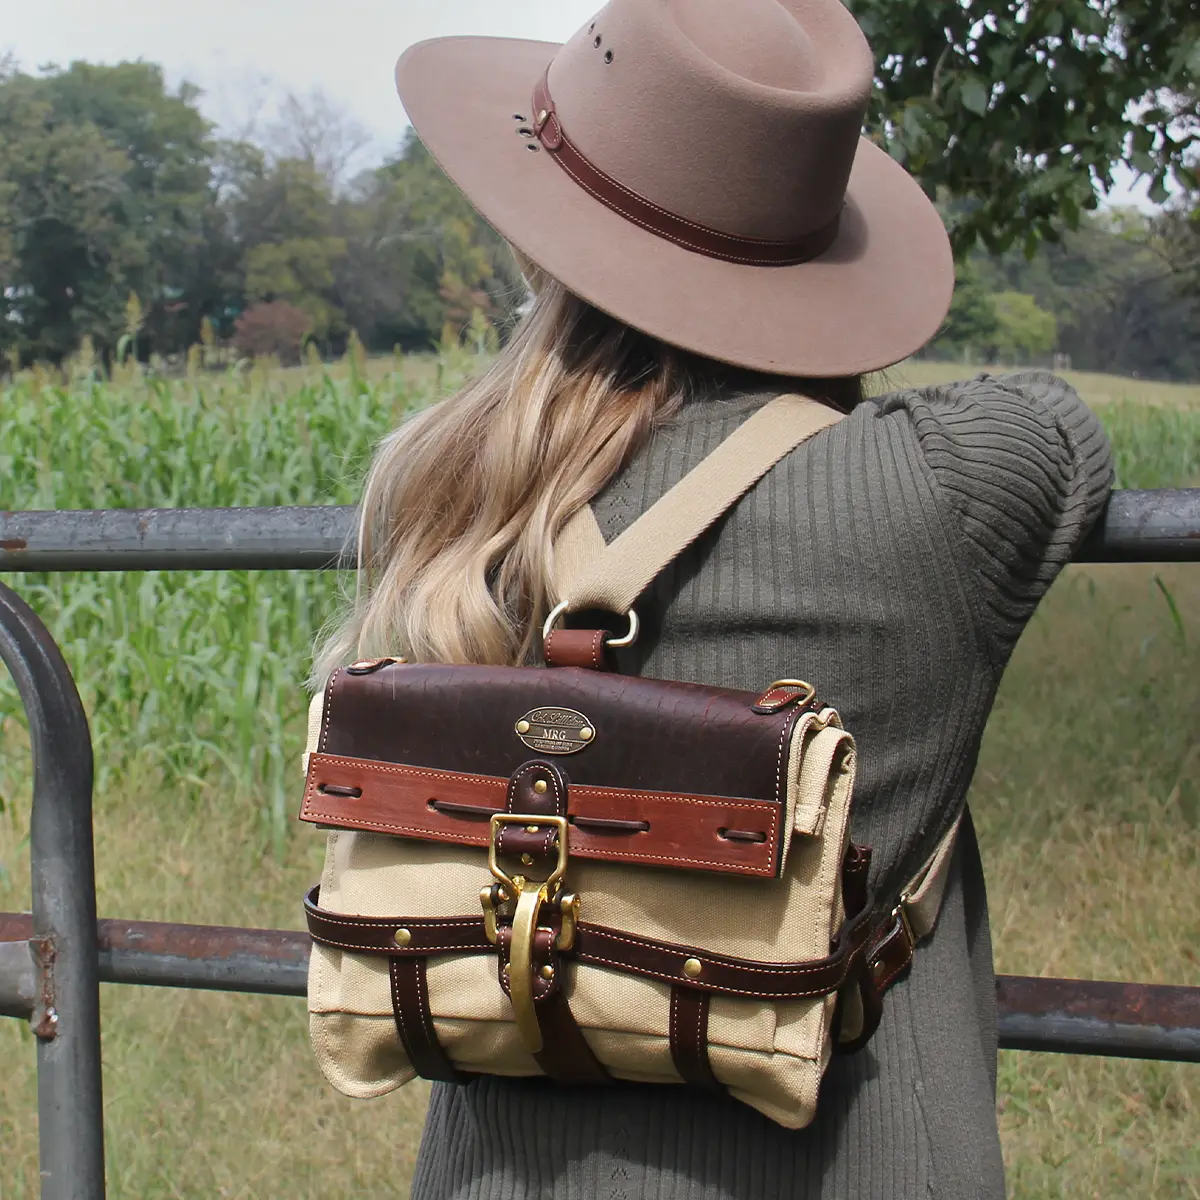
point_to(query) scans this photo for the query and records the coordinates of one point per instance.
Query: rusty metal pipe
(1068, 1016)
(62, 932)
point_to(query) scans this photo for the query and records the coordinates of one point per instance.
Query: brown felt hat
(695, 168)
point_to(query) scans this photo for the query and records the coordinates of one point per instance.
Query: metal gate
(53, 960)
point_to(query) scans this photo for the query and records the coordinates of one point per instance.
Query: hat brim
(874, 297)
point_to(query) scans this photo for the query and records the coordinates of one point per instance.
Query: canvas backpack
(568, 872)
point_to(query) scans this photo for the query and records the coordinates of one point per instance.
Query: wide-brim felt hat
(696, 169)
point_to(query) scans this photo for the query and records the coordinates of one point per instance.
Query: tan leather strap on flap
(592, 575)
(670, 829)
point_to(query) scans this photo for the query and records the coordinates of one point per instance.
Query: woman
(709, 231)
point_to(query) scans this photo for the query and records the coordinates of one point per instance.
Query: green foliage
(111, 185)
(1020, 108)
(1123, 289)
(1023, 330)
(106, 176)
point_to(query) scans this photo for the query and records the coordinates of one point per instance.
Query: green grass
(1086, 794)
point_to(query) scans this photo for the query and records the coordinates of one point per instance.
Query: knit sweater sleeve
(1024, 467)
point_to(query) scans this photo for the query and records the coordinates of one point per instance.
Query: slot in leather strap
(414, 1021)
(689, 1038)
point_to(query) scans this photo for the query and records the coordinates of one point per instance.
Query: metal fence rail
(52, 960)
(1138, 526)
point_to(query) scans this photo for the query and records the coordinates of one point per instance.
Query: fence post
(66, 1016)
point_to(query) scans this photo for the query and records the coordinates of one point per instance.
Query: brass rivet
(508, 968)
(522, 726)
(543, 115)
(402, 937)
(531, 829)
(586, 734)
(879, 969)
(692, 968)
(547, 972)
(540, 787)
(527, 859)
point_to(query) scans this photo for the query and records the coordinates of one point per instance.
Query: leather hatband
(634, 207)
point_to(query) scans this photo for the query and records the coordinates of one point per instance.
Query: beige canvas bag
(561, 871)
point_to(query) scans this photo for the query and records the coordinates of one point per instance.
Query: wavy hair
(463, 501)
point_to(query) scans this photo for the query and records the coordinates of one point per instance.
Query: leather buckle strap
(691, 235)
(600, 946)
(530, 919)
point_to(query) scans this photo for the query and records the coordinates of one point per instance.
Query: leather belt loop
(702, 239)
(414, 1021)
(689, 1038)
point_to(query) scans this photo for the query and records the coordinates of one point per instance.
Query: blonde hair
(463, 502)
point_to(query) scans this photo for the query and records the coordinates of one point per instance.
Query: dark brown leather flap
(649, 735)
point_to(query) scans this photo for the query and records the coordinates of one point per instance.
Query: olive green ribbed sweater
(893, 561)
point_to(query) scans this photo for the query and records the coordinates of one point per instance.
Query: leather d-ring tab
(577, 648)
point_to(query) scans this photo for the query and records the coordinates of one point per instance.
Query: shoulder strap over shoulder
(593, 575)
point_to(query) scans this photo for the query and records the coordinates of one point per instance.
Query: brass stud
(547, 972)
(531, 829)
(692, 968)
(507, 969)
(522, 726)
(879, 968)
(543, 115)
(586, 733)
(402, 937)
(527, 859)
(540, 787)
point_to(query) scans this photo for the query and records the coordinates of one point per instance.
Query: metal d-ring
(612, 643)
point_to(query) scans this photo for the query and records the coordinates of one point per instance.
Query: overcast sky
(244, 52)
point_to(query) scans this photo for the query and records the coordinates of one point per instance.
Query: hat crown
(740, 115)
(766, 44)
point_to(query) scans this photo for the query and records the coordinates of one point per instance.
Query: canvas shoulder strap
(593, 575)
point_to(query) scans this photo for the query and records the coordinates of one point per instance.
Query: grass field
(1086, 794)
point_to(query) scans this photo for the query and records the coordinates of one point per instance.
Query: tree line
(126, 220)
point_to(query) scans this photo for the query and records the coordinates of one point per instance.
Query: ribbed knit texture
(892, 561)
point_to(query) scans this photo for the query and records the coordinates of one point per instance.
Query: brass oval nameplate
(555, 730)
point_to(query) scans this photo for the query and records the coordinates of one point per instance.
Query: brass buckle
(900, 913)
(499, 820)
(530, 895)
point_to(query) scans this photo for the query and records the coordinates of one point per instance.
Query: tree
(276, 329)
(1020, 108)
(1023, 331)
(107, 178)
(420, 260)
